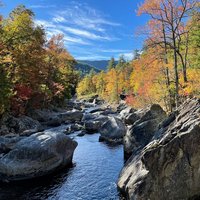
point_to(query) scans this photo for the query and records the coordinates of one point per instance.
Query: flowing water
(93, 176)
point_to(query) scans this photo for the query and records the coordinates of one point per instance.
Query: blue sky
(93, 29)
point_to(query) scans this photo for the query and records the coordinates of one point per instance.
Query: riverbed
(93, 176)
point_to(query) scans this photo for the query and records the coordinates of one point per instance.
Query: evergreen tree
(111, 64)
(136, 54)
(121, 63)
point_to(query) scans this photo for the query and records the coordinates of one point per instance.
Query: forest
(166, 71)
(37, 72)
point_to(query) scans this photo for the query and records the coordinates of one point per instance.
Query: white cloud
(121, 51)
(128, 56)
(86, 34)
(92, 57)
(42, 6)
(58, 19)
(53, 31)
(81, 26)
(45, 23)
(69, 39)
(82, 15)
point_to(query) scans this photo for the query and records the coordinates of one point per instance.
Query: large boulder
(143, 129)
(126, 111)
(131, 118)
(44, 115)
(94, 125)
(54, 122)
(20, 125)
(8, 143)
(37, 155)
(71, 116)
(112, 130)
(168, 167)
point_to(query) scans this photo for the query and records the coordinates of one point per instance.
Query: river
(93, 176)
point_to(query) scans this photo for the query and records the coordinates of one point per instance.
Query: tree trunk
(176, 73)
(167, 70)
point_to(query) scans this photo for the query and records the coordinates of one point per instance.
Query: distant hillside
(85, 68)
(99, 64)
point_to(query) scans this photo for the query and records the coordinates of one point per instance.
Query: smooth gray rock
(54, 122)
(37, 155)
(8, 143)
(113, 129)
(72, 116)
(168, 167)
(88, 116)
(94, 125)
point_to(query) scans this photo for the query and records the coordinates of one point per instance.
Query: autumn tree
(87, 86)
(169, 16)
(61, 77)
(22, 53)
(121, 63)
(100, 84)
(193, 27)
(33, 73)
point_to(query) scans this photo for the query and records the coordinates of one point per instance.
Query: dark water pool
(93, 176)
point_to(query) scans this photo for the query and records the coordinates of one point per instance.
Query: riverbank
(158, 147)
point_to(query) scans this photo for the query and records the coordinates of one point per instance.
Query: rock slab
(168, 167)
(142, 130)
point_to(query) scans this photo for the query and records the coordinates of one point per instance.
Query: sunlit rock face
(36, 155)
(112, 130)
(169, 166)
(145, 123)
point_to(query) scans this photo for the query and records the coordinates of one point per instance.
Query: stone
(92, 126)
(37, 155)
(143, 129)
(54, 122)
(4, 130)
(8, 143)
(73, 116)
(88, 116)
(126, 111)
(167, 167)
(20, 124)
(81, 134)
(131, 118)
(42, 115)
(113, 129)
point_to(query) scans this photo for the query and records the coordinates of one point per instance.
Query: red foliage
(19, 101)
(130, 100)
(23, 92)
